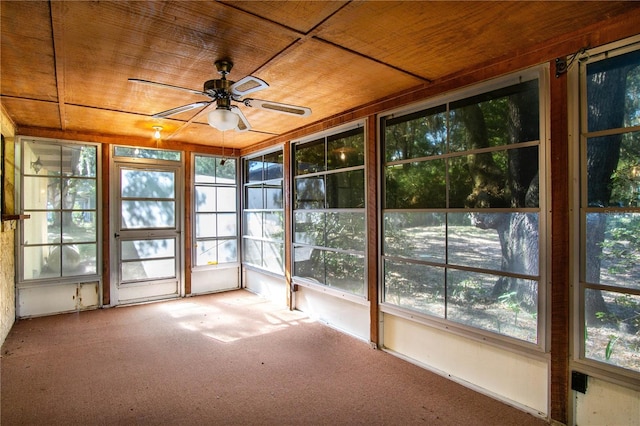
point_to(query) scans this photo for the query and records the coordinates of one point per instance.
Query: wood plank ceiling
(66, 64)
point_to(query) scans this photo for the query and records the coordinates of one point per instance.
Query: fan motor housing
(217, 86)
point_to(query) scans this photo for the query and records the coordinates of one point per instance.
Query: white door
(147, 238)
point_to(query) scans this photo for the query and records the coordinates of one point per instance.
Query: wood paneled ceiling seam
(370, 58)
(57, 37)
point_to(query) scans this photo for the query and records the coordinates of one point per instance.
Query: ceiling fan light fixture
(223, 119)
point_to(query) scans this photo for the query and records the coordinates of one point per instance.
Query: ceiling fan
(223, 92)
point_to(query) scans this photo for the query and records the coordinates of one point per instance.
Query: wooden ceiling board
(302, 16)
(175, 44)
(433, 39)
(27, 61)
(327, 80)
(29, 112)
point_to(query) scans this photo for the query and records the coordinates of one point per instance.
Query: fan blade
(153, 83)
(278, 107)
(243, 123)
(180, 109)
(246, 85)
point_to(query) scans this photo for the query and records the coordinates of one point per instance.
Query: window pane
(227, 251)
(42, 228)
(613, 170)
(158, 154)
(252, 252)
(205, 199)
(273, 195)
(253, 224)
(421, 134)
(254, 198)
(41, 193)
(345, 271)
(499, 179)
(414, 286)
(474, 241)
(205, 169)
(227, 225)
(273, 226)
(42, 159)
(611, 334)
(41, 262)
(273, 165)
(206, 225)
(147, 249)
(79, 226)
(415, 235)
(501, 117)
(79, 259)
(613, 249)
(415, 185)
(310, 193)
(613, 92)
(309, 263)
(345, 150)
(148, 269)
(226, 173)
(79, 194)
(310, 157)
(226, 199)
(273, 257)
(79, 160)
(147, 184)
(148, 214)
(503, 305)
(207, 253)
(345, 190)
(345, 231)
(309, 228)
(253, 170)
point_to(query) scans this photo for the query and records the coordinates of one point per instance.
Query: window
(329, 211)
(60, 193)
(461, 213)
(609, 277)
(263, 232)
(216, 222)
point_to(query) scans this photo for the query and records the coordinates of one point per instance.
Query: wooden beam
(371, 169)
(559, 285)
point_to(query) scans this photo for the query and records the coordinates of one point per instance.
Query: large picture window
(216, 221)
(329, 211)
(461, 211)
(60, 194)
(609, 277)
(263, 230)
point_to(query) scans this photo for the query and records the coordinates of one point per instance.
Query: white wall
(342, 314)
(605, 404)
(518, 379)
(267, 285)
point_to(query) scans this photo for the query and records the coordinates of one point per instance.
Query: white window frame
(247, 184)
(336, 292)
(576, 89)
(194, 213)
(20, 171)
(541, 73)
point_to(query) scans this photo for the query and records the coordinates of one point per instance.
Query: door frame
(115, 163)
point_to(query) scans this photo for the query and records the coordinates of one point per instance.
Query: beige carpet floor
(223, 359)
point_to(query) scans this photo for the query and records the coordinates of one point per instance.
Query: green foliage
(608, 350)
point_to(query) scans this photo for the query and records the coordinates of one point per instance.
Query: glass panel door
(147, 232)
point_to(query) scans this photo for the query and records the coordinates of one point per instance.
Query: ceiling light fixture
(156, 133)
(223, 119)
